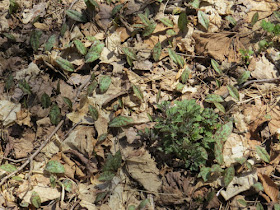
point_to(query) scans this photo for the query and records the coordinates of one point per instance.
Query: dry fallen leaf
(270, 188)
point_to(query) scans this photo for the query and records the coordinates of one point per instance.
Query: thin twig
(33, 155)
(275, 80)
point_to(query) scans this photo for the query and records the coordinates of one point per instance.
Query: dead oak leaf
(270, 188)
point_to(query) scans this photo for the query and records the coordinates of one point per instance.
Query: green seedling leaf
(25, 87)
(67, 183)
(263, 44)
(203, 19)
(144, 19)
(131, 207)
(35, 199)
(93, 85)
(148, 30)
(263, 154)
(258, 186)
(230, 19)
(113, 162)
(137, 92)
(170, 32)
(54, 114)
(45, 100)
(218, 151)
(8, 168)
(157, 51)
(180, 87)
(259, 206)
(68, 102)
(233, 92)
(185, 75)
(93, 112)
(13, 6)
(117, 9)
(94, 3)
(267, 26)
(224, 132)
(55, 167)
(53, 180)
(94, 52)
(50, 43)
(220, 107)
(244, 77)
(204, 173)
(9, 82)
(255, 18)
(143, 204)
(63, 29)
(120, 121)
(35, 39)
(10, 37)
(167, 22)
(65, 64)
(129, 53)
(104, 83)
(80, 47)
(106, 176)
(216, 66)
(229, 175)
(211, 98)
(182, 21)
(195, 4)
(75, 15)
(242, 202)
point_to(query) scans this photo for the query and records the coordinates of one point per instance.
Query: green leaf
(45, 100)
(120, 121)
(180, 87)
(50, 43)
(54, 166)
(80, 47)
(13, 7)
(261, 151)
(104, 83)
(113, 162)
(8, 168)
(148, 30)
(157, 51)
(67, 183)
(230, 19)
(9, 83)
(10, 37)
(218, 151)
(25, 87)
(204, 173)
(277, 14)
(224, 132)
(35, 199)
(143, 204)
(35, 39)
(215, 168)
(176, 58)
(75, 15)
(24, 204)
(94, 3)
(203, 19)
(258, 186)
(93, 85)
(276, 206)
(65, 64)
(68, 102)
(242, 202)
(144, 19)
(185, 75)
(216, 67)
(233, 92)
(116, 9)
(255, 18)
(244, 77)
(94, 52)
(129, 53)
(54, 114)
(195, 4)
(100, 196)
(259, 206)
(93, 112)
(106, 176)
(137, 92)
(53, 180)
(182, 21)
(17, 178)
(102, 137)
(167, 22)
(229, 175)
(131, 207)
(220, 107)
(211, 98)
(63, 29)
(170, 32)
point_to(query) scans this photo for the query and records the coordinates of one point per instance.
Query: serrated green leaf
(259, 206)
(54, 166)
(65, 64)
(143, 204)
(93, 112)
(182, 21)
(157, 51)
(170, 32)
(13, 7)
(10, 37)
(231, 20)
(144, 19)
(211, 98)
(204, 173)
(35, 199)
(104, 83)
(68, 102)
(8, 168)
(116, 9)
(203, 19)
(9, 83)
(195, 4)
(137, 92)
(216, 66)
(229, 175)
(75, 15)
(54, 114)
(129, 53)
(220, 107)
(244, 77)
(255, 18)
(45, 100)
(167, 22)
(94, 52)
(120, 121)
(35, 39)
(148, 30)
(233, 92)
(80, 47)
(258, 186)
(25, 87)
(261, 151)
(242, 202)
(50, 43)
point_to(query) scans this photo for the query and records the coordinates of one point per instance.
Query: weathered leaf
(104, 83)
(129, 53)
(220, 107)
(35, 199)
(167, 22)
(75, 15)
(229, 175)
(54, 114)
(80, 47)
(211, 98)
(25, 87)
(137, 92)
(182, 21)
(93, 112)
(50, 43)
(255, 18)
(116, 9)
(223, 133)
(8, 168)
(231, 20)
(35, 39)
(65, 64)
(68, 102)
(215, 65)
(203, 19)
(54, 166)
(185, 75)
(244, 77)
(233, 92)
(261, 151)
(94, 52)
(120, 121)
(45, 100)
(148, 30)
(157, 51)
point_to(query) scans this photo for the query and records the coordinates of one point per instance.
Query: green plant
(246, 55)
